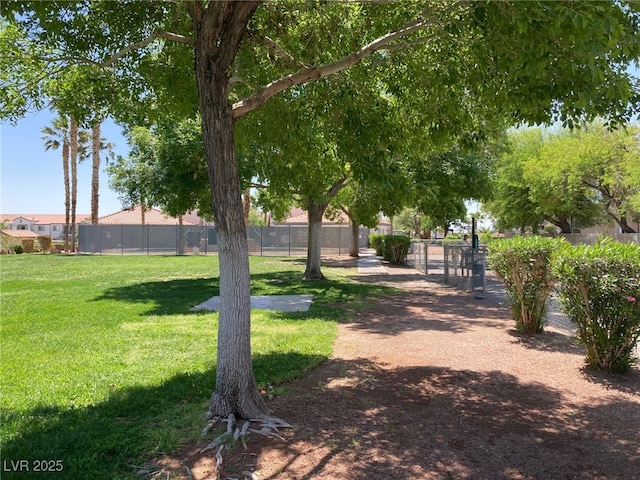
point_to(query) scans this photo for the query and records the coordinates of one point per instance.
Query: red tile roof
(300, 216)
(152, 216)
(19, 233)
(44, 219)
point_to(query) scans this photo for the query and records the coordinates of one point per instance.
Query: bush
(376, 241)
(524, 265)
(45, 242)
(18, 249)
(396, 249)
(28, 245)
(599, 288)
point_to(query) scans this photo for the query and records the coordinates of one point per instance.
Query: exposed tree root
(264, 425)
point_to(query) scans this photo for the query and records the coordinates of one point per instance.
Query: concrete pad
(281, 303)
(370, 266)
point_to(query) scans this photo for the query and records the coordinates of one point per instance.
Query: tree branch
(174, 37)
(282, 53)
(309, 74)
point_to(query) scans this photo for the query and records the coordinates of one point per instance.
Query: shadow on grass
(111, 439)
(169, 297)
(178, 296)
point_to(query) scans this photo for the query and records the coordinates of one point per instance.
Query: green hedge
(376, 241)
(599, 287)
(396, 249)
(524, 265)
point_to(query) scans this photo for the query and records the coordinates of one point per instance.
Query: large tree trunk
(315, 213)
(67, 193)
(620, 219)
(623, 223)
(355, 240)
(561, 222)
(95, 171)
(218, 30)
(73, 134)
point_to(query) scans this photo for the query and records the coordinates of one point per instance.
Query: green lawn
(104, 366)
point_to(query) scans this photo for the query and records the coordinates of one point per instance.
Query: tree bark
(355, 231)
(73, 134)
(246, 204)
(620, 219)
(315, 212)
(218, 30)
(95, 171)
(67, 192)
(562, 223)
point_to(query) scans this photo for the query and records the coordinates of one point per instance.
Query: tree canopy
(571, 179)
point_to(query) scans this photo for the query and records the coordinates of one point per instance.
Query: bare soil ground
(436, 384)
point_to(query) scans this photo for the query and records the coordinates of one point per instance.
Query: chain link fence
(279, 240)
(467, 269)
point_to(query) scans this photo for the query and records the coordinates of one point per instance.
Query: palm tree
(79, 151)
(55, 136)
(98, 144)
(73, 139)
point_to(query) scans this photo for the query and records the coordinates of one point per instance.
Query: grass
(105, 367)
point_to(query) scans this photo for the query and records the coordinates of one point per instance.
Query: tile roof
(300, 216)
(19, 233)
(44, 219)
(133, 216)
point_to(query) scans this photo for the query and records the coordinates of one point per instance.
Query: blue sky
(31, 179)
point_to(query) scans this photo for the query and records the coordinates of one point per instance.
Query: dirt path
(436, 384)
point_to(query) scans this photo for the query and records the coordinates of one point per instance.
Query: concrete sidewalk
(369, 264)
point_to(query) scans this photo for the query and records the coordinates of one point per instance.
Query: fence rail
(279, 240)
(456, 265)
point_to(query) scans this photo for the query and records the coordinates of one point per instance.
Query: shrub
(599, 288)
(524, 265)
(28, 245)
(396, 249)
(18, 249)
(376, 241)
(46, 244)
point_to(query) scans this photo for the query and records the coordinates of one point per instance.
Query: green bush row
(393, 248)
(599, 289)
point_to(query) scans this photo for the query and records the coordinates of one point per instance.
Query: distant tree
(535, 183)
(442, 182)
(98, 144)
(608, 162)
(54, 137)
(364, 201)
(132, 177)
(408, 220)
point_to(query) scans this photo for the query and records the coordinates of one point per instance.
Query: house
(51, 225)
(299, 216)
(152, 216)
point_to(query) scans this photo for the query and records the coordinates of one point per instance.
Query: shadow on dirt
(441, 310)
(431, 422)
(548, 341)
